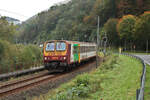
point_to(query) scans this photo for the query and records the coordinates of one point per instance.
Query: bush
(82, 80)
(16, 57)
(30, 55)
(80, 89)
(111, 63)
(1, 49)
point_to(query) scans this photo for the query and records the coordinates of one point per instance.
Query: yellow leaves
(125, 18)
(146, 12)
(125, 25)
(146, 15)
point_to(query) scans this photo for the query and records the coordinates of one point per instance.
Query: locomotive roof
(71, 41)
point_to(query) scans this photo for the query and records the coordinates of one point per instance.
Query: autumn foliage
(125, 27)
(135, 30)
(78, 19)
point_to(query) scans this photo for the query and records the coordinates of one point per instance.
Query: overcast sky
(23, 9)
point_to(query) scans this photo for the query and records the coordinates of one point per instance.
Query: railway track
(14, 89)
(22, 84)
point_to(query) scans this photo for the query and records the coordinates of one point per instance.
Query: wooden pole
(147, 46)
(98, 38)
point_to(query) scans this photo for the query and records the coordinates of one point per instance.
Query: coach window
(92, 48)
(82, 49)
(88, 48)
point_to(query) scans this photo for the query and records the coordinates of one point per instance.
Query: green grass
(116, 79)
(147, 84)
(121, 83)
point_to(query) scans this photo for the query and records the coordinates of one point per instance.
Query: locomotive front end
(55, 54)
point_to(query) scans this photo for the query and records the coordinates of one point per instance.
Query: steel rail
(13, 88)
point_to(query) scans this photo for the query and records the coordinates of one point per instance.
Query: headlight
(45, 58)
(64, 58)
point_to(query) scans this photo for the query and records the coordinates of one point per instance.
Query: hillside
(77, 19)
(12, 20)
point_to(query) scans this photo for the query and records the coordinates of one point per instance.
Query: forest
(124, 21)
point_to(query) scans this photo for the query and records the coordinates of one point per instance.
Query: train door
(76, 53)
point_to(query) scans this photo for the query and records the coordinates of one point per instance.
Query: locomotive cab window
(60, 46)
(50, 47)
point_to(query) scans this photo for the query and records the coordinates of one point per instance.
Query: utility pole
(147, 46)
(105, 42)
(16, 40)
(98, 39)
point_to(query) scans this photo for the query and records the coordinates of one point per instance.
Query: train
(63, 54)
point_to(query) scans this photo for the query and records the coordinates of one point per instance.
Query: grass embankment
(116, 79)
(147, 84)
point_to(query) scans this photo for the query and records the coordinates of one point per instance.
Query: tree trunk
(125, 48)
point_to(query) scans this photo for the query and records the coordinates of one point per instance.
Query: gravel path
(146, 58)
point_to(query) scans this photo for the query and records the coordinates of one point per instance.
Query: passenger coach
(61, 53)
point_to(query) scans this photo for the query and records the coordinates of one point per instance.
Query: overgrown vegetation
(77, 20)
(15, 56)
(116, 79)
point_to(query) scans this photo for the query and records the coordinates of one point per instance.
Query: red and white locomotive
(62, 53)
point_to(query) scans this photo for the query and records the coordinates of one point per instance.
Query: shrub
(1, 48)
(16, 57)
(84, 79)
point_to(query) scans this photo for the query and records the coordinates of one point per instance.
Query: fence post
(137, 94)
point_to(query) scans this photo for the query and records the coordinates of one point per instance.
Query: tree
(7, 31)
(142, 29)
(1, 48)
(111, 31)
(125, 29)
(105, 9)
(78, 18)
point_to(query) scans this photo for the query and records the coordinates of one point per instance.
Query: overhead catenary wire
(15, 13)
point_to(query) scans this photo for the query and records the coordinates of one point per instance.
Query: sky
(24, 9)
